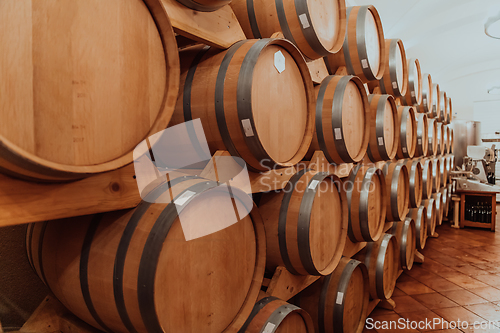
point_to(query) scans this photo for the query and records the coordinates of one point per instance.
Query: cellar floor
(459, 280)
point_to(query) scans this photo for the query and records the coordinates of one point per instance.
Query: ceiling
(447, 36)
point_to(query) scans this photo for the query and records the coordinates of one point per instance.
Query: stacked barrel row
(137, 271)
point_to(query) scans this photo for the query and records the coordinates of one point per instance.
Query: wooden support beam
(419, 258)
(318, 70)
(285, 285)
(388, 304)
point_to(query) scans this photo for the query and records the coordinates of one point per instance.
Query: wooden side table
(489, 197)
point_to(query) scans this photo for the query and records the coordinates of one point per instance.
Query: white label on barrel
(380, 141)
(404, 150)
(279, 62)
(338, 134)
(314, 184)
(269, 328)
(394, 85)
(247, 127)
(180, 201)
(364, 63)
(340, 298)
(412, 94)
(419, 141)
(304, 21)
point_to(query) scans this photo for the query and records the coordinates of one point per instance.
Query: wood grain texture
(384, 133)
(413, 96)
(395, 79)
(85, 87)
(397, 187)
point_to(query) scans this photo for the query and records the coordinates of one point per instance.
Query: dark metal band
(412, 81)
(150, 256)
(379, 127)
(29, 239)
(379, 271)
(252, 18)
(393, 67)
(304, 224)
(244, 101)
(337, 111)
(351, 180)
(84, 262)
(345, 47)
(319, 117)
(310, 35)
(256, 309)
(219, 100)
(338, 309)
(121, 253)
(282, 222)
(285, 28)
(419, 224)
(413, 180)
(402, 131)
(394, 190)
(420, 135)
(40, 252)
(277, 317)
(199, 7)
(363, 204)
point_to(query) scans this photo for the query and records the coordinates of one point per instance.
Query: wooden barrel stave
(103, 267)
(238, 119)
(306, 223)
(342, 120)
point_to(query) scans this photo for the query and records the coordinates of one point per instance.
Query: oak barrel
(426, 105)
(267, 125)
(445, 169)
(406, 236)
(82, 91)
(413, 96)
(436, 101)
(419, 215)
(416, 182)
(271, 314)
(407, 127)
(316, 27)
(436, 173)
(397, 187)
(342, 120)
(430, 205)
(443, 107)
(306, 223)
(445, 201)
(452, 142)
(204, 5)
(366, 191)
(338, 303)
(364, 45)
(382, 261)
(438, 199)
(395, 79)
(422, 135)
(440, 138)
(427, 177)
(433, 137)
(384, 136)
(447, 141)
(450, 111)
(134, 271)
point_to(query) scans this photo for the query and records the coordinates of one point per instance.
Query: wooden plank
(219, 28)
(419, 257)
(373, 304)
(319, 163)
(285, 285)
(318, 70)
(25, 202)
(387, 304)
(351, 248)
(51, 316)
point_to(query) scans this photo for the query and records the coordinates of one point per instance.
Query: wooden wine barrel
(430, 205)
(422, 135)
(364, 45)
(445, 201)
(238, 119)
(395, 79)
(439, 207)
(316, 27)
(64, 115)
(342, 120)
(306, 223)
(338, 303)
(382, 261)
(446, 136)
(440, 138)
(443, 107)
(452, 141)
(419, 215)
(450, 193)
(407, 126)
(450, 111)
(204, 5)
(436, 173)
(445, 169)
(397, 185)
(416, 182)
(103, 268)
(271, 314)
(436, 101)
(384, 136)
(406, 237)
(413, 94)
(366, 191)
(433, 137)
(426, 105)
(427, 177)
